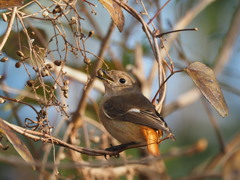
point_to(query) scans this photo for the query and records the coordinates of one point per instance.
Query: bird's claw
(112, 149)
(117, 148)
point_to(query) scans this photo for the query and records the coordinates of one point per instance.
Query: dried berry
(87, 61)
(57, 62)
(65, 94)
(45, 14)
(30, 83)
(43, 112)
(57, 9)
(100, 73)
(49, 66)
(54, 87)
(73, 20)
(18, 64)
(20, 53)
(64, 88)
(91, 33)
(66, 82)
(44, 73)
(4, 59)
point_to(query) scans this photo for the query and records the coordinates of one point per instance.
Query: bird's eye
(122, 80)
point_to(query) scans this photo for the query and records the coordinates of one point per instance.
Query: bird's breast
(124, 132)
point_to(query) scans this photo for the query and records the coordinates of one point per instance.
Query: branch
(41, 136)
(198, 147)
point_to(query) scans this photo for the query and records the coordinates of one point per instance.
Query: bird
(128, 115)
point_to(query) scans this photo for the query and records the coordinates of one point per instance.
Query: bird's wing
(145, 118)
(142, 113)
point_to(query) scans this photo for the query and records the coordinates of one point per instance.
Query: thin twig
(21, 102)
(9, 28)
(164, 82)
(174, 31)
(158, 12)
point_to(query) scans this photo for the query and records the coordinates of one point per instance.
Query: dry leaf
(206, 82)
(231, 169)
(17, 143)
(115, 12)
(10, 3)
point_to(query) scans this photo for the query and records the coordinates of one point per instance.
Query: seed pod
(20, 53)
(4, 16)
(87, 61)
(90, 33)
(4, 59)
(57, 62)
(18, 64)
(30, 83)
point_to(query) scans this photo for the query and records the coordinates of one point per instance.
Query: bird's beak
(101, 73)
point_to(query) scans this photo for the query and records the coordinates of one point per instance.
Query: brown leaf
(10, 3)
(206, 82)
(231, 169)
(115, 12)
(17, 143)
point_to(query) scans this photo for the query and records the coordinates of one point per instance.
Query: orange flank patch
(152, 137)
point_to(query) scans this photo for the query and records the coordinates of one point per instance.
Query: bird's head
(117, 82)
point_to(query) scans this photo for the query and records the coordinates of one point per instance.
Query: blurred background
(70, 35)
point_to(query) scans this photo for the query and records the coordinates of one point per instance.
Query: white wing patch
(134, 110)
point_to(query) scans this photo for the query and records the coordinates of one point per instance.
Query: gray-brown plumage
(124, 110)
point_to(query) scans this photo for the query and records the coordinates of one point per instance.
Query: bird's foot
(118, 148)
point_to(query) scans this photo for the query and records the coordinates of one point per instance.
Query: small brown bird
(128, 115)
